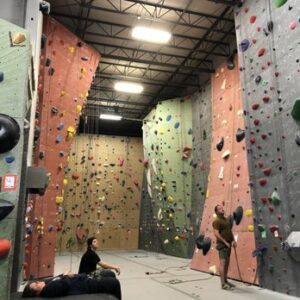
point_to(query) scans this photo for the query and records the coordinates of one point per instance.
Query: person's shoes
(231, 284)
(227, 287)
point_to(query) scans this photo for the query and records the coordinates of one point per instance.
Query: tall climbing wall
(228, 182)
(16, 87)
(102, 193)
(166, 201)
(201, 121)
(268, 41)
(66, 71)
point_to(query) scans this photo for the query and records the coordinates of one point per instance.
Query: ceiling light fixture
(151, 35)
(110, 117)
(128, 87)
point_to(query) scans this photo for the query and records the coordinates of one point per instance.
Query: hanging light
(128, 87)
(110, 117)
(151, 35)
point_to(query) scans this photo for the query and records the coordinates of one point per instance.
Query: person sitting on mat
(90, 260)
(222, 230)
(72, 284)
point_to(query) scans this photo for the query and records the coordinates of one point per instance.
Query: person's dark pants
(107, 273)
(109, 285)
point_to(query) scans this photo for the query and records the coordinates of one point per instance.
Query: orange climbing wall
(104, 201)
(230, 188)
(66, 72)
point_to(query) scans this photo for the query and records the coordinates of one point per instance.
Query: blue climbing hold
(169, 117)
(177, 124)
(244, 45)
(58, 139)
(1, 76)
(60, 126)
(9, 159)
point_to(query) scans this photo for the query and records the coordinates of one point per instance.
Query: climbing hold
(84, 58)
(5, 246)
(270, 26)
(240, 135)
(75, 176)
(250, 228)
(71, 49)
(267, 171)
(54, 110)
(145, 162)
(18, 38)
(203, 243)
(256, 122)
(58, 139)
(51, 71)
(261, 52)
(9, 159)
(263, 181)
(292, 25)
(296, 110)
(169, 117)
(244, 45)
(279, 3)
(5, 208)
(59, 200)
(9, 133)
(297, 139)
(60, 126)
(275, 198)
(248, 212)
(266, 99)
(170, 199)
(220, 144)
(226, 154)
(177, 124)
(258, 79)
(255, 106)
(252, 19)
(78, 108)
(65, 181)
(1, 76)
(238, 215)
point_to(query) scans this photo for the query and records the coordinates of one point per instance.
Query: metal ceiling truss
(112, 29)
(186, 20)
(99, 100)
(109, 89)
(89, 109)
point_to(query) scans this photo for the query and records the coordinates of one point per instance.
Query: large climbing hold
(296, 110)
(279, 3)
(240, 135)
(238, 215)
(5, 246)
(203, 243)
(9, 133)
(5, 208)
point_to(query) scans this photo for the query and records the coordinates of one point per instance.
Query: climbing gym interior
(130, 121)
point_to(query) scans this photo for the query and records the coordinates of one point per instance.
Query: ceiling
(202, 31)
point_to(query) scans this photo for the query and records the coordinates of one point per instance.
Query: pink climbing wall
(228, 182)
(66, 72)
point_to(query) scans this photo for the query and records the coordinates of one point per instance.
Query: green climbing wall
(268, 40)
(15, 96)
(167, 190)
(102, 193)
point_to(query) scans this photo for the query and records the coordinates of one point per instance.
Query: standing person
(222, 230)
(72, 284)
(90, 260)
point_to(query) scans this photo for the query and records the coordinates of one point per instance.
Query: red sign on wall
(9, 182)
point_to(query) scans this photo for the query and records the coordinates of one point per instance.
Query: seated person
(90, 260)
(72, 284)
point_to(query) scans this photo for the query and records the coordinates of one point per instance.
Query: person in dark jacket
(90, 260)
(72, 284)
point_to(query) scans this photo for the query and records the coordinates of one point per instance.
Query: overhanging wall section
(166, 202)
(268, 39)
(66, 71)
(228, 182)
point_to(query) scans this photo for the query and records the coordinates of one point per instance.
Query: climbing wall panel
(66, 71)
(15, 96)
(102, 193)
(166, 201)
(268, 44)
(228, 182)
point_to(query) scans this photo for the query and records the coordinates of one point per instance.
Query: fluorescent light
(110, 117)
(151, 35)
(128, 87)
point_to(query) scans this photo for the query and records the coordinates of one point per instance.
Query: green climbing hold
(296, 110)
(275, 198)
(279, 3)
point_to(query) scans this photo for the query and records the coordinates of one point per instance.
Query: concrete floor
(149, 276)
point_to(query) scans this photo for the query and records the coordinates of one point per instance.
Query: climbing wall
(66, 71)
(166, 201)
(15, 96)
(228, 182)
(268, 44)
(102, 193)
(201, 120)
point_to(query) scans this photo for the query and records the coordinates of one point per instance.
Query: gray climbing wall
(15, 95)
(201, 121)
(167, 191)
(102, 193)
(268, 40)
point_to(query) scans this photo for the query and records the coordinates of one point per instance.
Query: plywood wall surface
(102, 193)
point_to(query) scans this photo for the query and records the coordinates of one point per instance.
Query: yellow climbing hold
(248, 212)
(78, 108)
(170, 215)
(62, 93)
(176, 238)
(59, 200)
(18, 38)
(71, 49)
(170, 199)
(65, 181)
(251, 228)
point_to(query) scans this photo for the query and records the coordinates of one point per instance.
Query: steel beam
(118, 101)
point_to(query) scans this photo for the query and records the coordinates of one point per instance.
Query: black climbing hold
(297, 140)
(220, 145)
(48, 62)
(45, 7)
(9, 133)
(240, 135)
(1, 76)
(238, 215)
(270, 26)
(5, 208)
(258, 79)
(203, 243)
(51, 71)
(296, 110)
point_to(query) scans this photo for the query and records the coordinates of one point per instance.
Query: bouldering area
(152, 146)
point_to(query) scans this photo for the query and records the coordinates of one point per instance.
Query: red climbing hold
(252, 139)
(263, 181)
(267, 171)
(261, 52)
(5, 246)
(256, 122)
(263, 136)
(75, 176)
(292, 25)
(252, 19)
(255, 106)
(266, 99)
